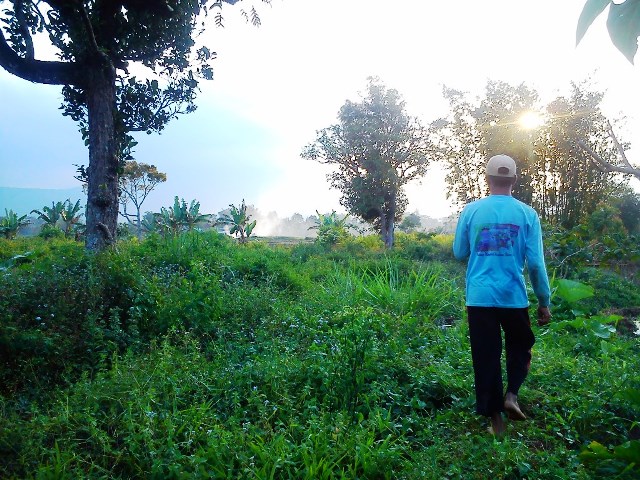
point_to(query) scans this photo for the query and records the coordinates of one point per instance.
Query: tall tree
(137, 181)
(377, 149)
(476, 129)
(568, 185)
(96, 41)
(556, 176)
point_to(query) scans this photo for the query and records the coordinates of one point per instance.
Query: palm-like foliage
(50, 215)
(70, 216)
(179, 217)
(11, 223)
(331, 228)
(239, 222)
(169, 220)
(191, 215)
(149, 222)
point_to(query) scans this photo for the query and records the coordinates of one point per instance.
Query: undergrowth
(196, 357)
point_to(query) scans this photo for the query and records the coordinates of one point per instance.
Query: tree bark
(383, 226)
(102, 191)
(37, 71)
(138, 223)
(387, 235)
(388, 225)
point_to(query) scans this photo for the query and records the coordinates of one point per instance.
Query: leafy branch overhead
(623, 23)
(623, 165)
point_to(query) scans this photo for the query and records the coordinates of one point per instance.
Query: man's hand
(544, 315)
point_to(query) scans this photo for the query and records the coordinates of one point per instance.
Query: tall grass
(196, 357)
(426, 291)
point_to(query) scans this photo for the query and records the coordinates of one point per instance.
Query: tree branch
(600, 162)
(38, 71)
(621, 151)
(86, 23)
(18, 8)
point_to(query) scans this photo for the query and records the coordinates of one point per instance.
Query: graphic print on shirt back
(496, 239)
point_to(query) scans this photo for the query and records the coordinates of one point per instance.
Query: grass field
(196, 357)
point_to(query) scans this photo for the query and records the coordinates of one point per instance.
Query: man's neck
(500, 191)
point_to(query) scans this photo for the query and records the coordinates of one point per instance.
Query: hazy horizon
(276, 85)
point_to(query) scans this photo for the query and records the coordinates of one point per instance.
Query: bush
(50, 231)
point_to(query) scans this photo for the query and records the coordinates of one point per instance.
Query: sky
(276, 85)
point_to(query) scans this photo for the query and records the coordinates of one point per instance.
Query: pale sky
(274, 86)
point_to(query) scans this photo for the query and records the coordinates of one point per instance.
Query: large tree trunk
(388, 229)
(102, 201)
(387, 221)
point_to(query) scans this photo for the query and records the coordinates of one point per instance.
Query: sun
(530, 120)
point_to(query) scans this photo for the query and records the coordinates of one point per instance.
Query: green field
(196, 357)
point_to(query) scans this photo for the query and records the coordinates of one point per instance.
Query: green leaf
(571, 291)
(590, 12)
(602, 331)
(250, 228)
(596, 450)
(607, 348)
(631, 395)
(623, 24)
(629, 451)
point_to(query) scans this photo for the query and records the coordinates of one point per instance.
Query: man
(498, 234)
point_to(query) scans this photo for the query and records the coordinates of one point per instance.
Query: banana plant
(331, 228)
(50, 215)
(170, 219)
(180, 217)
(150, 222)
(71, 216)
(238, 221)
(192, 216)
(11, 223)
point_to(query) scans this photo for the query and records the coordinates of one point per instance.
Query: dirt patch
(629, 325)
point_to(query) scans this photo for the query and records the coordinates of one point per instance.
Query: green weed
(194, 357)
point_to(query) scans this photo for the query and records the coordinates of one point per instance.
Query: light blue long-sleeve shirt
(498, 234)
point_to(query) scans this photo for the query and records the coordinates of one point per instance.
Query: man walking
(498, 234)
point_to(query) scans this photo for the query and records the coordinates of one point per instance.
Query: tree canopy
(556, 175)
(377, 148)
(97, 42)
(137, 181)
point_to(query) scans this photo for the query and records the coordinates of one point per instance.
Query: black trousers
(485, 331)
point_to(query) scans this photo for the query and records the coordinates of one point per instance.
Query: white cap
(501, 166)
